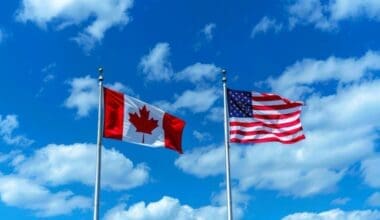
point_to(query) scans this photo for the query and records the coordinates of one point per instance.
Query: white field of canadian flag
(132, 120)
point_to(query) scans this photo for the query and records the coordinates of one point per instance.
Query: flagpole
(227, 147)
(99, 146)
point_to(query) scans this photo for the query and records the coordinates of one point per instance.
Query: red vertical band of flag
(113, 114)
(173, 128)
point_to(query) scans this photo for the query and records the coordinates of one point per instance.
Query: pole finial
(100, 71)
(224, 77)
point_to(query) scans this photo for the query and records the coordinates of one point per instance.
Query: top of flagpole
(224, 77)
(100, 70)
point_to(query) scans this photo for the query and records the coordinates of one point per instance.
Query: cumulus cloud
(336, 214)
(270, 173)
(198, 73)
(370, 170)
(64, 164)
(216, 114)
(202, 136)
(326, 15)
(310, 12)
(9, 157)
(84, 94)
(374, 199)
(299, 78)
(23, 193)
(266, 24)
(208, 31)
(323, 15)
(340, 201)
(156, 65)
(7, 125)
(334, 126)
(166, 208)
(196, 101)
(209, 161)
(102, 14)
(345, 9)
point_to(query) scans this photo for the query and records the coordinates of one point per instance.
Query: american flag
(263, 117)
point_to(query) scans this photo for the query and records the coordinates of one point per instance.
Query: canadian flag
(129, 119)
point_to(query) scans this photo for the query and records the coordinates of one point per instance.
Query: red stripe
(271, 139)
(113, 114)
(269, 97)
(282, 134)
(173, 128)
(282, 116)
(259, 123)
(276, 107)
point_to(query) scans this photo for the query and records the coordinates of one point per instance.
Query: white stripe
(277, 112)
(263, 128)
(267, 121)
(258, 94)
(263, 136)
(279, 121)
(269, 103)
(238, 119)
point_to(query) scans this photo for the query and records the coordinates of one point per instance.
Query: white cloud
(166, 208)
(49, 71)
(299, 78)
(208, 31)
(326, 15)
(239, 199)
(48, 78)
(198, 73)
(340, 201)
(63, 164)
(209, 160)
(202, 136)
(7, 125)
(370, 170)
(156, 64)
(310, 12)
(6, 158)
(84, 94)
(101, 15)
(49, 68)
(341, 125)
(216, 114)
(374, 199)
(196, 100)
(266, 24)
(345, 9)
(23, 193)
(272, 168)
(336, 214)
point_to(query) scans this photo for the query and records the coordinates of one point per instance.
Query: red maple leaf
(142, 123)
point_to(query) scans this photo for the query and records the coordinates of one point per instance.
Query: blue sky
(325, 53)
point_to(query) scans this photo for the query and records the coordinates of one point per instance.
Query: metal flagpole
(227, 148)
(99, 146)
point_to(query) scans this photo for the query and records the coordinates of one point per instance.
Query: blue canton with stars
(239, 103)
